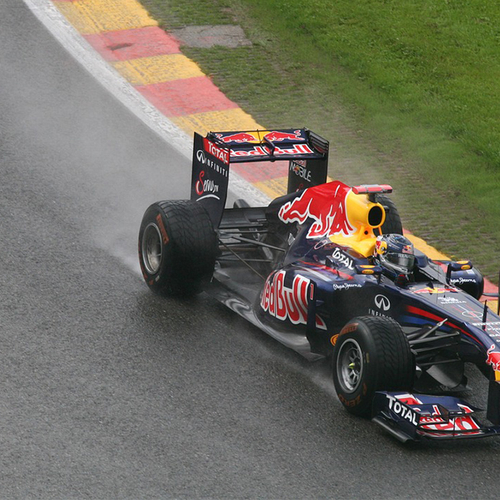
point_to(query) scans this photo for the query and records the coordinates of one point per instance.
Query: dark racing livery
(327, 271)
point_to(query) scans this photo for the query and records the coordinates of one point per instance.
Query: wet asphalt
(107, 391)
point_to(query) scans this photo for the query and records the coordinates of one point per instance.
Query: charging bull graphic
(493, 358)
(237, 137)
(326, 204)
(277, 135)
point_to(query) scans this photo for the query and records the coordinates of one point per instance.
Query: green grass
(407, 92)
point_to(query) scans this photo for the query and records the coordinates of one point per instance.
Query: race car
(326, 270)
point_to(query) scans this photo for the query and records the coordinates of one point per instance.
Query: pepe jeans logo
(382, 302)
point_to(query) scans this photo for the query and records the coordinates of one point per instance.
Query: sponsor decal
(206, 188)
(345, 286)
(163, 231)
(298, 167)
(408, 399)
(450, 300)
(462, 281)
(457, 424)
(202, 158)
(402, 410)
(295, 149)
(276, 136)
(494, 325)
(325, 204)
(287, 303)
(382, 302)
(219, 153)
(351, 402)
(493, 358)
(342, 259)
(351, 327)
(435, 422)
(238, 137)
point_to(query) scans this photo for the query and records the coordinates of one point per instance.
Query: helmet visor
(401, 260)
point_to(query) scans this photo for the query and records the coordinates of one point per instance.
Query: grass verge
(406, 93)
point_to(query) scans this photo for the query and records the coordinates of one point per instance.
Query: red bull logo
(287, 303)
(493, 358)
(240, 137)
(296, 149)
(276, 136)
(326, 205)
(408, 399)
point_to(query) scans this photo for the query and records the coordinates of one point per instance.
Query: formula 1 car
(304, 269)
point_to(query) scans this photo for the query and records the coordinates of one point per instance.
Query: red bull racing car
(327, 271)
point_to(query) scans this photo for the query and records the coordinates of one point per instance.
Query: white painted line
(83, 52)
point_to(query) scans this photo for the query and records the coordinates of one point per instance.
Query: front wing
(413, 417)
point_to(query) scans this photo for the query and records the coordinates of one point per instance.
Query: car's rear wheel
(177, 247)
(371, 353)
(392, 224)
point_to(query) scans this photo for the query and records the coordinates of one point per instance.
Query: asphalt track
(111, 392)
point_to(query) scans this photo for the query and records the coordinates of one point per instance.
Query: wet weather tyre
(371, 353)
(177, 247)
(392, 224)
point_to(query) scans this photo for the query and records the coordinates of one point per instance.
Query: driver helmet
(395, 253)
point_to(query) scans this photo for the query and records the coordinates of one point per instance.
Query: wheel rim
(350, 366)
(152, 248)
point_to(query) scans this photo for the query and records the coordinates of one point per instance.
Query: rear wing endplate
(306, 152)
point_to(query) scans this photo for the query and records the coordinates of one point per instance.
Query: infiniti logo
(200, 155)
(382, 302)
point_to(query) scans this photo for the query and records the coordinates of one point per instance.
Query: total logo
(402, 410)
(219, 153)
(343, 259)
(287, 303)
(206, 188)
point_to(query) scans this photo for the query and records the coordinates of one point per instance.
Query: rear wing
(306, 152)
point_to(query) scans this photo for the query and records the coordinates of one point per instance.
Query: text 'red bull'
(287, 303)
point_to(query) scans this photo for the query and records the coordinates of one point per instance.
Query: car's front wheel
(371, 353)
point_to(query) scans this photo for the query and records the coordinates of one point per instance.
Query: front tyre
(177, 247)
(371, 353)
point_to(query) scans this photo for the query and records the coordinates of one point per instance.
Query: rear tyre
(177, 247)
(371, 353)
(392, 224)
